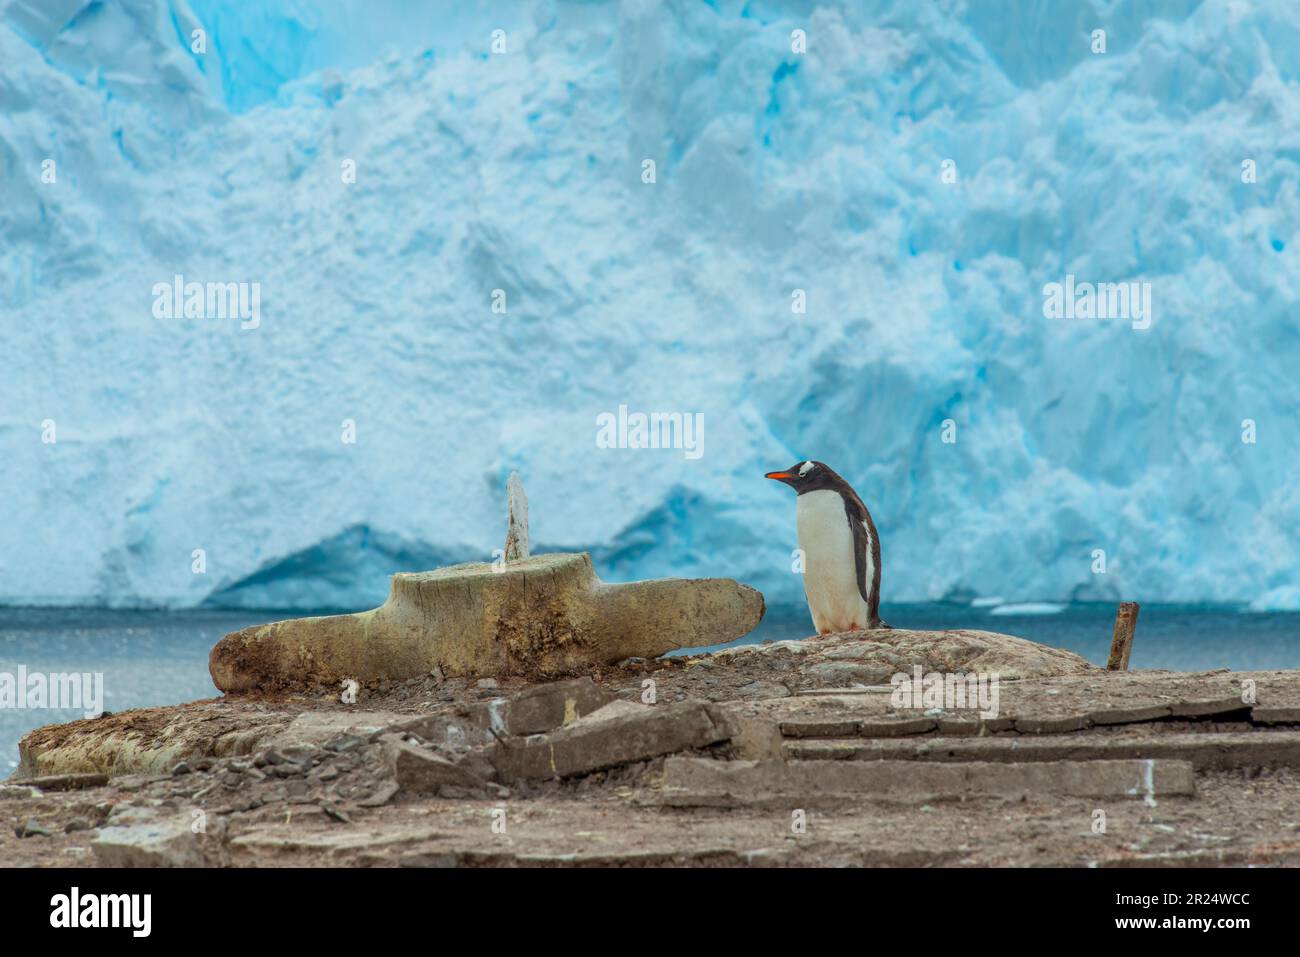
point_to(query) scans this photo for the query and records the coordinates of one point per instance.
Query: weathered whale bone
(544, 615)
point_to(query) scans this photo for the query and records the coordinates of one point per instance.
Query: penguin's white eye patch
(806, 468)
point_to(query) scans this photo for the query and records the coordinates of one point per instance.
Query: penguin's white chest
(830, 578)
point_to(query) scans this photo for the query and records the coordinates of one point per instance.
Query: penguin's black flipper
(866, 551)
(862, 549)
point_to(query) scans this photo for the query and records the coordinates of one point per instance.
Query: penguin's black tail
(882, 624)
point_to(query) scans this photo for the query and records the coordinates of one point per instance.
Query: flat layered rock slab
(1203, 751)
(334, 843)
(1275, 715)
(1138, 696)
(598, 833)
(1281, 855)
(66, 782)
(143, 837)
(542, 708)
(564, 838)
(619, 733)
(691, 782)
(886, 727)
(1048, 705)
(418, 771)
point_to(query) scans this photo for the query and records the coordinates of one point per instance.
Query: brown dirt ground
(313, 809)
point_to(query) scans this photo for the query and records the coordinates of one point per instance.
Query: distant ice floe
(987, 602)
(1286, 598)
(1029, 608)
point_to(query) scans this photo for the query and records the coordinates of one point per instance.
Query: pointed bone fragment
(516, 520)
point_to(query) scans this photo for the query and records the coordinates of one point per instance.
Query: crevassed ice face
(806, 468)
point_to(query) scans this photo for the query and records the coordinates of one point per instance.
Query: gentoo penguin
(840, 548)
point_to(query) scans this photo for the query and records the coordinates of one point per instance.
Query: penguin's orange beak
(779, 476)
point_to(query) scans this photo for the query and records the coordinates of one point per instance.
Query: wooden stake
(1121, 645)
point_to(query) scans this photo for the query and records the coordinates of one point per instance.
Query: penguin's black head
(807, 477)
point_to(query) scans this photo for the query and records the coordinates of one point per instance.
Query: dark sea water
(161, 657)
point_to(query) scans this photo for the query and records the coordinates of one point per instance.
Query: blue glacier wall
(775, 171)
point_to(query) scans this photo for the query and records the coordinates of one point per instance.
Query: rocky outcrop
(874, 657)
(152, 740)
(414, 772)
